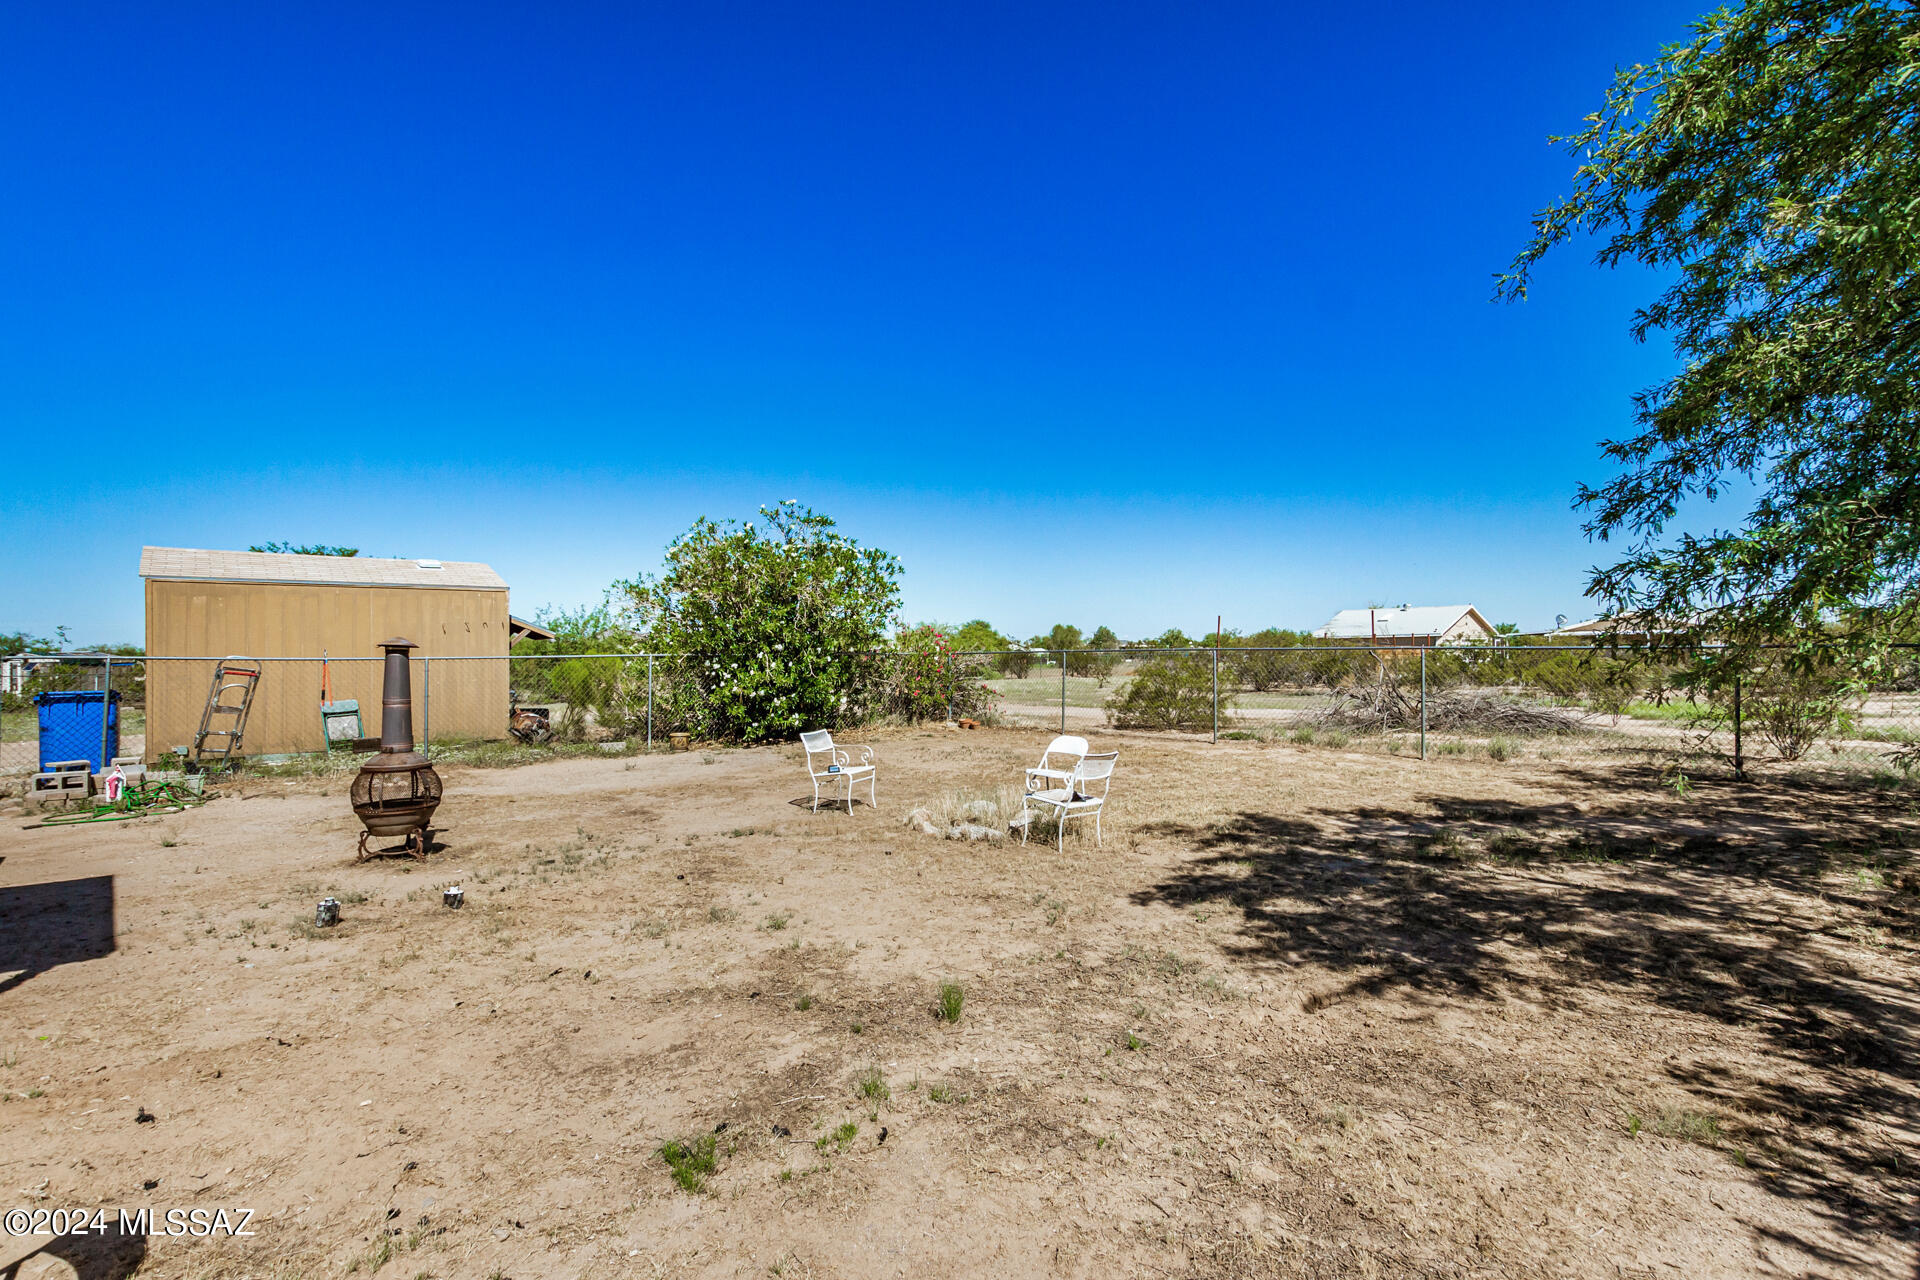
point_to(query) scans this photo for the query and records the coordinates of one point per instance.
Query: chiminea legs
(417, 843)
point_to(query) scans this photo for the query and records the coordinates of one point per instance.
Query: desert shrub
(1598, 680)
(1015, 663)
(770, 625)
(1174, 692)
(1793, 699)
(1323, 666)
(1259, 671)
(622, 699)
(927, 679)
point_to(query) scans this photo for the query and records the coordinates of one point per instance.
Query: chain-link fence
(1499, 701)
(72, 673)
(302, 706)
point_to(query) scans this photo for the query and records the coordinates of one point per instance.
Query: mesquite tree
(1768, 166)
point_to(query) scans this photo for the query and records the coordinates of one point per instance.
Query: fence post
(426, 707)
(1063, 691)
(649, 702)
(1423, 704)
(1739, 756)
(106, 707)
(1216, 689)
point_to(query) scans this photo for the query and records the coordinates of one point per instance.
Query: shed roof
(521, 629)
(1403, 620)
(188, 564)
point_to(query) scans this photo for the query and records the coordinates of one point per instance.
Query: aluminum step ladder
(224, 721)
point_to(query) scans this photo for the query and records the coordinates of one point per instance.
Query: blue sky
(1107, 314)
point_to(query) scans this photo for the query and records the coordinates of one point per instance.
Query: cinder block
(63, 784)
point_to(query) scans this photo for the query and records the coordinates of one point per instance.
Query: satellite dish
(1559, 621)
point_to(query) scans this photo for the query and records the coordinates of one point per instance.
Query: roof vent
(429, 564)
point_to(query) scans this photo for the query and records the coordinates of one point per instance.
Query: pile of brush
(1388, 706)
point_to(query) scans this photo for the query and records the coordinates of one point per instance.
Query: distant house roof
(1591, 626)
(521, 629)
(189, 565)
(1403, 620)
(1631, 624)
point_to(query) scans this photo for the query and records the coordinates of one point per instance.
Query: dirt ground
(1307, 1012)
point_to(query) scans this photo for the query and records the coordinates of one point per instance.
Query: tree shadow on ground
(112, 1251)
(1714, 908)
(54, 923)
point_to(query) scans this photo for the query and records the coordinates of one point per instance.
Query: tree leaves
(1769, 163)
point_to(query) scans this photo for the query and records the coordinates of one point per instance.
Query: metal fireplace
(397, 790)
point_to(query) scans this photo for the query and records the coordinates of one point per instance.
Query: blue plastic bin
(70, 727)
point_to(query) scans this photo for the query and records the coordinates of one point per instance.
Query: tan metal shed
(204, 605)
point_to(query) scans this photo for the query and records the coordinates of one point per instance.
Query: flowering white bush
(771, 624)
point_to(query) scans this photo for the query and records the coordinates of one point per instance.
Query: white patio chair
(838, 767)
(1056, 763)
(1076, 798)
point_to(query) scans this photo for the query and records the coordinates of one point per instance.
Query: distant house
(1624, 625)
(1411, 626)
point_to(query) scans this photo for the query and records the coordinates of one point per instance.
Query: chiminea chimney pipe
(396, 790)
(396, 698)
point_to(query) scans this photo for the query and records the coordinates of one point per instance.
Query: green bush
(928, 680)
(771, 626)
(1597, 680)
(1793, 699)
(1174, 692)
(1261, 672)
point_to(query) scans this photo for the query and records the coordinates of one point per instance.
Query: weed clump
(691, 1161)
(873, 1086)
(839, 1139)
